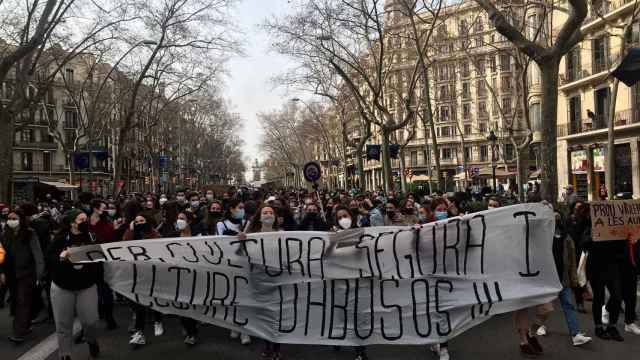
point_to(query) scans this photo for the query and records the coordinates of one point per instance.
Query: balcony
(598, 122)
(603, 9)
(600, 65)
(38, 145)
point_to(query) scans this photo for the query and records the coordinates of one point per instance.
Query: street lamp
(493, 138)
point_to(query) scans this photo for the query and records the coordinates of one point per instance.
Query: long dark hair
(561, 224)
(24, 234)
(354, 219)
(256, 223)
(232, 204)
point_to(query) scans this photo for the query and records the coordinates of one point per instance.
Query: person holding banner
(73, 286)
(234, 224)
(141, 229)
(265, 221)
(344, 221)
(565, 259)
(604, 272)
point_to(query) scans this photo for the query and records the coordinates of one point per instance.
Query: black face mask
(215, 213)
(142, 228)
(391, 214)
(83, 227)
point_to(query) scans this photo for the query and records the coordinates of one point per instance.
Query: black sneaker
(16, 339)
(614, 334)
(94, 350)
(535, 344)
(602, 333)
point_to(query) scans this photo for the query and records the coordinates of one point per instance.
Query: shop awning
(500, 172)
(421, 178)
(60, 185)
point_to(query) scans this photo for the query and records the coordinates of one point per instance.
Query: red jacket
(104, 231)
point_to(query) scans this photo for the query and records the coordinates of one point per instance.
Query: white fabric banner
(400, 285)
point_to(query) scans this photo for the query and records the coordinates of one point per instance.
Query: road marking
(48, 346)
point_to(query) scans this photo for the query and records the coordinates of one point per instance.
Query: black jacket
(65, 274)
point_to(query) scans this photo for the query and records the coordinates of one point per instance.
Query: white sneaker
(191, 340)
(605, 315)
(137, 339)
(234, 334)
(542, 331)
(580, 339)
(444, 353)
(245, 339)
(632, 328)
(158, 329)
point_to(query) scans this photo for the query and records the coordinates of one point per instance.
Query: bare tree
(547, 53)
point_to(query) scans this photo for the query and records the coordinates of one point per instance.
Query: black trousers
(190, 326)
(141, 315)
(105, 301)
(22, 294)
(629, 292)
(606, 276)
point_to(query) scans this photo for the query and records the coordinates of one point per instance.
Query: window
(463, 28)
(573, 65)
(575, 115)
(467, 129)
(464, 69)
(466, 90)
(69, 137)
(506, 105)
(484, 153)
(600, 54)
(505, 62)
(444, 113)
(444, 92)
(466, 111)
(468, 153)
(414, 159)
(479, 24)
(478, 40)
(482, 109)
(482, 127)
(70, 119)
(446, 154)
(505, 84)
(492, 63)
(481, 88)
(536, 116)
(68, 75)
(46, 161)
(26, 136)
(27, 161)
(508, 152)
(444, 131)
(479, 64)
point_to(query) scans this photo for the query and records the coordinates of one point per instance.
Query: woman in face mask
(344, 219)
(73, 288)
(22, 269)
(439, 207)
(141, 229)
(409, 212)
(234, 224)
(213, 217)
(265, 220)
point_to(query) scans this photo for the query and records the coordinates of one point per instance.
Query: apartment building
(474, 91)
(51, 146)
(584, 106)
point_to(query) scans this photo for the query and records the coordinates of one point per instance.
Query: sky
(248, 86)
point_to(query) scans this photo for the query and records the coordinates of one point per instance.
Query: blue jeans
(569, 310)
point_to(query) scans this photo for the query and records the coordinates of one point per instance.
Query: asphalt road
(495, 339)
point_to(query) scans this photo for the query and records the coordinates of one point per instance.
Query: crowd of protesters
(40, 284)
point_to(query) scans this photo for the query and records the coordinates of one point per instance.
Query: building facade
(584, 107)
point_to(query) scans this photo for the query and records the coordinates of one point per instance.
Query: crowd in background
(40, 284)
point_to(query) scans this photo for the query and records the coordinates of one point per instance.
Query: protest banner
(399, 285)
(615, 220)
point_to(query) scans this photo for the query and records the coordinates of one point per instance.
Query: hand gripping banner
(385, 285)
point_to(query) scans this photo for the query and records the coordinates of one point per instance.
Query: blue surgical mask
(239, 215)
(441, 215)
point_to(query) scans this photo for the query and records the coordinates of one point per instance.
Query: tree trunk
(519, 174)
(387, 171)
(360, 170)
(427, 119)
(403, 178)
(611, 166)
(549, 106)
(6, 156)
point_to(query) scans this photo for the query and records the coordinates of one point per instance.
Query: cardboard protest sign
(386, 285)
(615, 220)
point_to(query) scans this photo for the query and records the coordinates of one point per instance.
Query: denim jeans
(566, 297)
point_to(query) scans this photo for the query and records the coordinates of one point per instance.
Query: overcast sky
(248, 86)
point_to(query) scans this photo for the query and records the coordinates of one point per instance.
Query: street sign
(312, 171)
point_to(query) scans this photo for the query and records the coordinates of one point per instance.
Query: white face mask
(111, 212)
(162, 201)
(13, 224)
(268, 220)
(345, 223)
(209, 197)
(181, 224)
